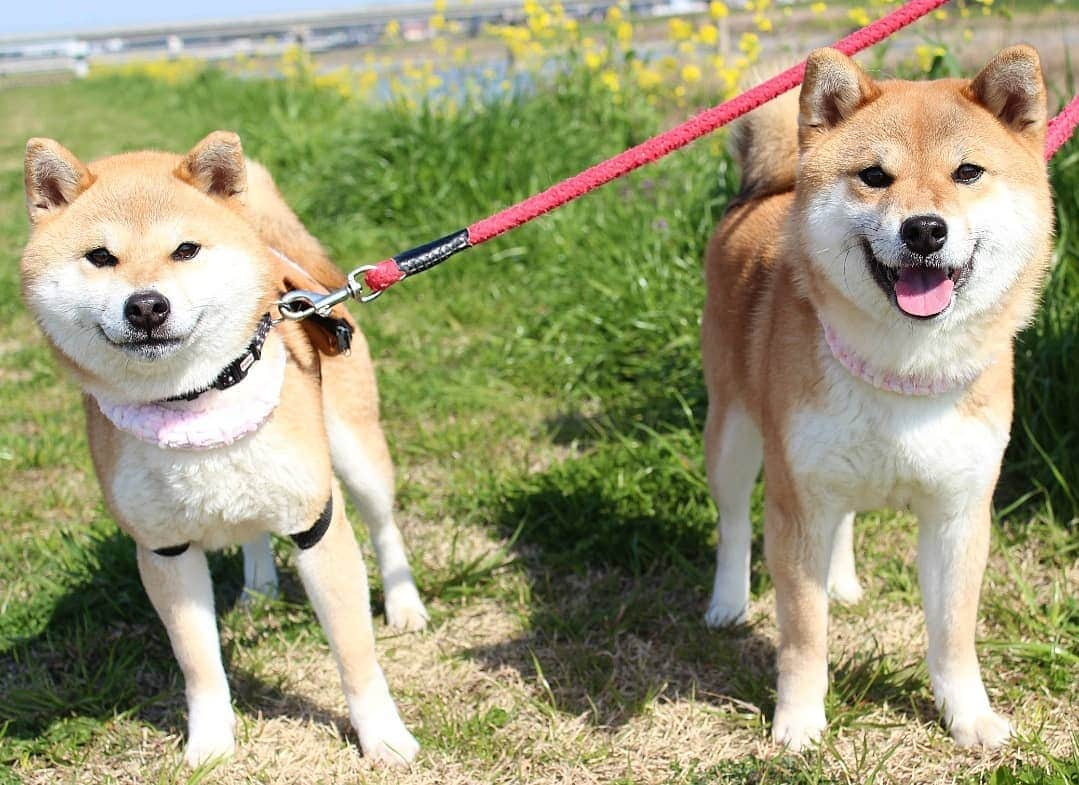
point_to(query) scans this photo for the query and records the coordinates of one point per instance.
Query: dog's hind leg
(333, 573)
(260, 575)
(733, 453)
(842, 577)
(180, 590)
(362, 460)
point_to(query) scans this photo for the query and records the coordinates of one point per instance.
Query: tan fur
(765, 359)
(276, 479)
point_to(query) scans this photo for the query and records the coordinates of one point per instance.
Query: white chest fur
(864, 448)
(217, 497)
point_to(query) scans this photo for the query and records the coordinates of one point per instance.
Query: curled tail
(765, 145)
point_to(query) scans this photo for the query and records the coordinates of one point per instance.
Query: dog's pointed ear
(1012, 87)
(216, 166)
(53, 177)
(834, 88)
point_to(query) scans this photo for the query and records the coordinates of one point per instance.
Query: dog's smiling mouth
(921, 291)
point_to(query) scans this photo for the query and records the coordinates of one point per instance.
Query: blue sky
(21, 16)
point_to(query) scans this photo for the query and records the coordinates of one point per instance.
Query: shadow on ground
(103, 653)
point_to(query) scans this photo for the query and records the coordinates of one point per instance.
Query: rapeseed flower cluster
(674, 60)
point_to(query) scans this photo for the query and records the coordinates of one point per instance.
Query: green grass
(544, 391)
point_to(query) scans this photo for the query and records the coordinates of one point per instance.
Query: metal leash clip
(298, 304)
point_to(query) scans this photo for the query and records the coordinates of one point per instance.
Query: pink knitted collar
(214, 419)
(886, 380)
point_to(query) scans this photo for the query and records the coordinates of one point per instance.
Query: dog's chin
(887, 276)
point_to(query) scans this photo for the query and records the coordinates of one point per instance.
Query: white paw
(209, 742)
(723, 614)
(383, 736)
(404, 609)
(988, 730)
(845, 589)
(391, 746)
(797, 727)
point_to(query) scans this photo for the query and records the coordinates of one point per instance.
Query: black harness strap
(305, 539)
(310, 538)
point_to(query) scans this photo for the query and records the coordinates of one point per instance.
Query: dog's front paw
(209, 741)
(725, 614)
(383, 736)
(796, 727)
(404, 609)
(390, 744)
(988, 730)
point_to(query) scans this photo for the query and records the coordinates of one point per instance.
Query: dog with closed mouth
(863, 293)
(154, 278)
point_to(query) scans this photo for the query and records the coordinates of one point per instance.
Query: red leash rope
(1061, 127)
(378, 278)
(387, 273)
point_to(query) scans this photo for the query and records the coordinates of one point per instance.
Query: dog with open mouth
(863, 293)
(154, 278)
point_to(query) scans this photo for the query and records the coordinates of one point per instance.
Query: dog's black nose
(146, 310)
(924, 234)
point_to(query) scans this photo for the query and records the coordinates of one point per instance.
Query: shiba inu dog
(154, 277)
(864, 291)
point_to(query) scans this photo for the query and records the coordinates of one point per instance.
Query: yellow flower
(614, 14)
(859, 16)
(718, 9)
(818, 8)
(668, 63)
(460, 55)
(764, 24)
(610, 80)
(686, 47)
(440, 46)
(624, 32)
(392, 29)
(440, 5)
(691, 73)
(680, 29)
(593, 60)
(941, 15)
(968, 35)
(438, 22)
(925, 55)
(368, 80)
(708, 34)
(749, 42)
(648, 78)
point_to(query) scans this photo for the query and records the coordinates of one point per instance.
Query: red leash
(386, 274)
(378, 278)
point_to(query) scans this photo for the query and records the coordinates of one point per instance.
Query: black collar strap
(304, 540)
(236, 371)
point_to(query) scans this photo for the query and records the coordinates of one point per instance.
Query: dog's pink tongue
(923, 291)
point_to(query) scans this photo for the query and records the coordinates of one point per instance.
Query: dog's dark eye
(967, 173)
(185, 251)
(101, 257)
(875, 177)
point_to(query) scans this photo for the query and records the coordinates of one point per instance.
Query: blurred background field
(544, 403)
